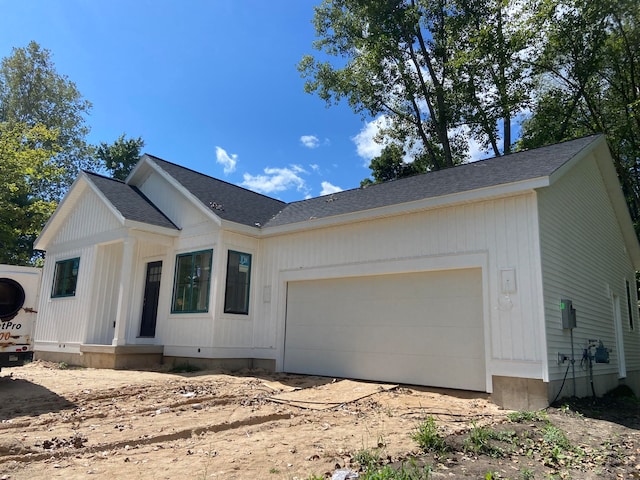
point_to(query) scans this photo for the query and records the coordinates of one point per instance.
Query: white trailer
(19, 292)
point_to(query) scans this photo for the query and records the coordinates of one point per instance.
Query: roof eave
(468, 196)
(178, 186)
(254, 231)
(151, 228)
(66, 205)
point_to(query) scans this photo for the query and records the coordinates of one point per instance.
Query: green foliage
(588, 78)
(556, 437)
(391, 164)
(120, 157)
(479, 441)
(26, 165)
(527, 474)
(527, 416)
(427, 437)
(42, 147)
(386, 472)
(558, 450)
(33, 93)
(427, 68)
(367, 458)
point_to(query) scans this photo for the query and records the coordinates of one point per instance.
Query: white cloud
(366, 146)
(327, 188)
(315, 167)
(276, 180)
(310, 141)
(227, 161)
(476, 152)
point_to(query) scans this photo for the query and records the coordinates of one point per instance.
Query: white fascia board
(230, 226)
(116, 213)
(185, 192)
(134, 171)
(424, 204)
(569, 164)
(62, 211)
(147, 227)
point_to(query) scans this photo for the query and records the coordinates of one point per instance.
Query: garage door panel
(424, 328)
(422, 340)
(463, 373)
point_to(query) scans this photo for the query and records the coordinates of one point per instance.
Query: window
(65, 278)
(236, 298)
(191, 285)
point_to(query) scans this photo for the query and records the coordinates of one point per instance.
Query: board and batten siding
(64, 323)
(88, 220)
(584, 260)
(503, 232)
(171, 202)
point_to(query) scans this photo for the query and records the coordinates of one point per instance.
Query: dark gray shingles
(227, 201)
(130, 201)
(520, 166)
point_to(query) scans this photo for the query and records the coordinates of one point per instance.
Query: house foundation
(524, 394)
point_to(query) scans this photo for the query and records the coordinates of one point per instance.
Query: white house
(455, 278)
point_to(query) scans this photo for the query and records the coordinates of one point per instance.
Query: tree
(391, 165)
(26, 161)
(436, 69)
(393, 68)
(491, 71)
(120, 157)
(33, 93)
(589, 82)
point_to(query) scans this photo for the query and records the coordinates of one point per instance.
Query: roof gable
(227, 201)
(130, 202)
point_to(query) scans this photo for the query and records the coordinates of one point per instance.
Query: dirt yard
(103, 424)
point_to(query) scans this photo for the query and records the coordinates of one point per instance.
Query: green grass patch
(427, 437)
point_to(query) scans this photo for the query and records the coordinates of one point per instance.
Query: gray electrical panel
(568, 313)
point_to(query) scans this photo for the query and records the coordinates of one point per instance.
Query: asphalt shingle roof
(130, 201)
(243, 206)
(520, 166)
(227, 201)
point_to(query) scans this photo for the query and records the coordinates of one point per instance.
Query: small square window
(65, 278)
(191, 285)
(236, 298)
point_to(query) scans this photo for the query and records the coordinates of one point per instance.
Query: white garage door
(421, 328)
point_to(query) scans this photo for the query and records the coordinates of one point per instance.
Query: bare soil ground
(104, 424)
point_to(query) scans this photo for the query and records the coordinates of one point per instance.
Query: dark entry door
(151, 295)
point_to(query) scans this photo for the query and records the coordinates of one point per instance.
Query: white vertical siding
(173, 204)
(192, 333)
(90, 217)
(504, 229)
(77, 319)
(64, 320)
(104, 296)
(583, 259)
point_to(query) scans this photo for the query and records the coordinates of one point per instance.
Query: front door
(151, 295)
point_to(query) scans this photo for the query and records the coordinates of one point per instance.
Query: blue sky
(210, 85)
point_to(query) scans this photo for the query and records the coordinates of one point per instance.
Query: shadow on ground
(15, 391)
(619, 406)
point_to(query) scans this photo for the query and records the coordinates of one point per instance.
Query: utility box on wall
(568, 314)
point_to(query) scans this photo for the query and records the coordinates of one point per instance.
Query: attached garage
(422, 328)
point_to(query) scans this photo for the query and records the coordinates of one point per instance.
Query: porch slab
(120, 357)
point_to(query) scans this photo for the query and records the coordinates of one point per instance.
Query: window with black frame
(236, 298)
(65, 278)
(191, 284)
